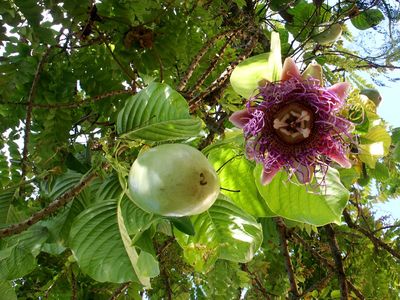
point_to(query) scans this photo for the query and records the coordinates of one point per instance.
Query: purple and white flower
(295, 124)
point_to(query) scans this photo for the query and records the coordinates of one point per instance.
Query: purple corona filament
(294, 124)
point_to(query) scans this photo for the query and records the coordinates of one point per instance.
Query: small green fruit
(372, 95)
(331, 34)
(173, 180)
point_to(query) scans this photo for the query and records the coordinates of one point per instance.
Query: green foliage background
(86, 85)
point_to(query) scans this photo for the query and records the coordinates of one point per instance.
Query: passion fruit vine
(173, 180)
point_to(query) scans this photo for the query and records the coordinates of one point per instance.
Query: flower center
(293, 123)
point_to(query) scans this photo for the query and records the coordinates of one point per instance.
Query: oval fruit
(173, 180)
(373, 95)
(331, 34)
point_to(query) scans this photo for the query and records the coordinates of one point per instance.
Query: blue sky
(389, 110)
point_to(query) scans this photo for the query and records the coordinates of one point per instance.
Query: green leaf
(250, 73)
(6, 197)
(367, 19)
(396, 155)
(31, 239)
(109, 189)
(374, 145)
(235, 173)
(147, 266)
(348, 176)
(136, 219)
(157, 113)
(7, 291)
(183, 224)
(64, 183)
(224, 231)
(97, 245)
(316, 206)
(16, 262)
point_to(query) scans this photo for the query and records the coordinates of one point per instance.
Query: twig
(333, 244)
(74, 290)
(376, 241)
(86, 101)
(182, 84)
(126, 71)
(212, 65)
(223, 78)
(285, 252)
(29, 107)
(319, 285)
(259, 286)
(51, 208)
(118, 292)
(325, 262)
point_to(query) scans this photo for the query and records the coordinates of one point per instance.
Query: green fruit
(173, 180)
(372, 95)
(331, 34)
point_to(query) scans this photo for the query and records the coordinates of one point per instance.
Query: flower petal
(304, 174)
(268, 174)
(313, 71)
(290, 70)
(240, 118)
(340, 158)
(341, 89)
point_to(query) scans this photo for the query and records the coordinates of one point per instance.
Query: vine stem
(285, 252)
(182, 84)
(48, 210)
(29, 108)
(376, 241)
(337, 257)
(325, 262)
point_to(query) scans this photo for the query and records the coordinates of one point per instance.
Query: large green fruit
(173, 180)
(373, 95)
(329, 35)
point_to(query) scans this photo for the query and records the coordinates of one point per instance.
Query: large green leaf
(236, 177)
(6, 197)
(224, 231)
(157, 113)
(374, 145)
(252, 72)
(96, 243)
(18, 252)
(100, 241)
(16, 262)
(313, 205)
(367, 19)
(6, 291)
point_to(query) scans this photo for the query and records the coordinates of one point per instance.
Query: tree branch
(223, 78)
(51, 208)
(370, 235)
(86, 101)
(337, 256)
(29, 107)
(319, 285)
(259, 286)
(182, 84)
(118, 292)
(325, 262)
(212, 64)
(285, 252)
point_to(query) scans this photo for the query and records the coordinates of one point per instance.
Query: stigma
(293, 123)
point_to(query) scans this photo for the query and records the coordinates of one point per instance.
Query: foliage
(86, 86)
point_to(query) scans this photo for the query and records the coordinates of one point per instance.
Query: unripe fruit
(372, 95)
(173, 180)
(331, 34)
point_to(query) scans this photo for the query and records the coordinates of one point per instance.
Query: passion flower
(295, 124)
